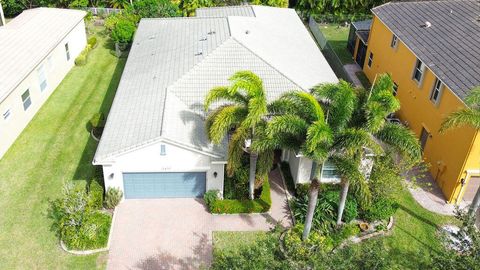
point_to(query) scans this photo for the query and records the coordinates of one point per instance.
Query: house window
(42, 78)
(436, 91)
(395, 89)
(418, 72)
(67, 51)
(163, 151)
(370, 59)
(26, 100)
(394, 41)
(329, 172)
(6, 114)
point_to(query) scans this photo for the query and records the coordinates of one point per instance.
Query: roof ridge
(181, 18)
(266, 62)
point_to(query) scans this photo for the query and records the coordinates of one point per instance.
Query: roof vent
(212, 32)
(203, 39)
(151, 37)
(426, 25)
(247, 32)
(198, 53)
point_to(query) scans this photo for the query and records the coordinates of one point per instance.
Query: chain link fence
(328, 52)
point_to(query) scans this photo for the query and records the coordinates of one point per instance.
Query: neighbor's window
(395, 89)
(370, 59)
(418, 72)
(26, 100)
(436, 91)
(163, 150)
(394, 42)
(6, 114)
(42, 78)
(67, 51)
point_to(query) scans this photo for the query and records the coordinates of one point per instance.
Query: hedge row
(82, 57)
(260, 205)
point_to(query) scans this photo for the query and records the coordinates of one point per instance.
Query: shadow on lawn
(85, 170)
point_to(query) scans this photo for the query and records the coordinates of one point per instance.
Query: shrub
(380, 209)
(113, 197)
(210, 197)
(325, 216)
(92, 41)
(301, 250)
(302, 189)
(98, 120)
(81, 60)
(154, 8)
(95, 194)
(260, 205)
(123, 31)
(76, 222)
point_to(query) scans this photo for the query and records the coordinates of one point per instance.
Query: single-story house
(37, 50)
(154, 143)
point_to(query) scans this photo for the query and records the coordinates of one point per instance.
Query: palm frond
(462, 117)
(287, 124)
(222, 93)
(247, 81)
(402, 139)
(351, 141)
(264, 163)
(306, 104)
(235, 149)
(257, 108)
(318, 134)
(473, 99)
(220, 121)
(282, 106)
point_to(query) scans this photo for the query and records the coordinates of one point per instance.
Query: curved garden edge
(353, 239)
(93, 135)
(91, 251)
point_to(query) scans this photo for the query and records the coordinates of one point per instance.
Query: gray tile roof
(362, 25)
(450, 47)
(244, 11)
(28, 39)
(166, 78)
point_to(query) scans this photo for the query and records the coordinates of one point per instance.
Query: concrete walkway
(177, 233)
(352, 70)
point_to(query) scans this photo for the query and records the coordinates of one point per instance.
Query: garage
(164, 185)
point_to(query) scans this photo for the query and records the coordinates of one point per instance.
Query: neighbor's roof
(450, 47)
(28, 39)
(245, 11)
(173, 63)
(362, 25)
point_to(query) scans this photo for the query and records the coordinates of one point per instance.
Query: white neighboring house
(37, 49)
(154, 143)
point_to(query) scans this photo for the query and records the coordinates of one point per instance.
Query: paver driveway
(177, 233)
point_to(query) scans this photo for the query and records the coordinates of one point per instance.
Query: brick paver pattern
(177, 233)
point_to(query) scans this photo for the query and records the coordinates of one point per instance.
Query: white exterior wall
(56, 67)
(300, 167)
(177, 159)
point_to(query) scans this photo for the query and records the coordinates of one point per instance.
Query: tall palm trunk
(343, 199)
(312, 203)
(251, 177)
(475, 204)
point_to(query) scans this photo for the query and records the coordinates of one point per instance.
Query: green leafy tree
(123, 31)
(358, 121)
(242, 115)
(119, 3)
(469, 116)
(189, 6)
(272, 3)
(154, 8)
(299, 124)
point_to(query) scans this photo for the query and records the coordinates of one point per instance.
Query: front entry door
(423, 138)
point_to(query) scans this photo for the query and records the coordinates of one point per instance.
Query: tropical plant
(113, 196)
(298, 124)
(154, 8)
(358, 120)
(123, 31)
(241, 115)
(469, 116)
(189, 6)
(119, 3)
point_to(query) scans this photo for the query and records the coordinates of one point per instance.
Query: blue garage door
(164, 185)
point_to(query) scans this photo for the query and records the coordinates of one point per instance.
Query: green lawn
(337, 37)
(414, 235)
(54, 148)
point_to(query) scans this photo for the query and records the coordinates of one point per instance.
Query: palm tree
(297, 123)
(358, 121)
(243, 111)
(469, 116)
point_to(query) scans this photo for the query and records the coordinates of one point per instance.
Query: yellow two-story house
(432, 51)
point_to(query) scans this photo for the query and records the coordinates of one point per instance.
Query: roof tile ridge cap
(173, 84)
(234, 6)
(182, 18)
(270, 65)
